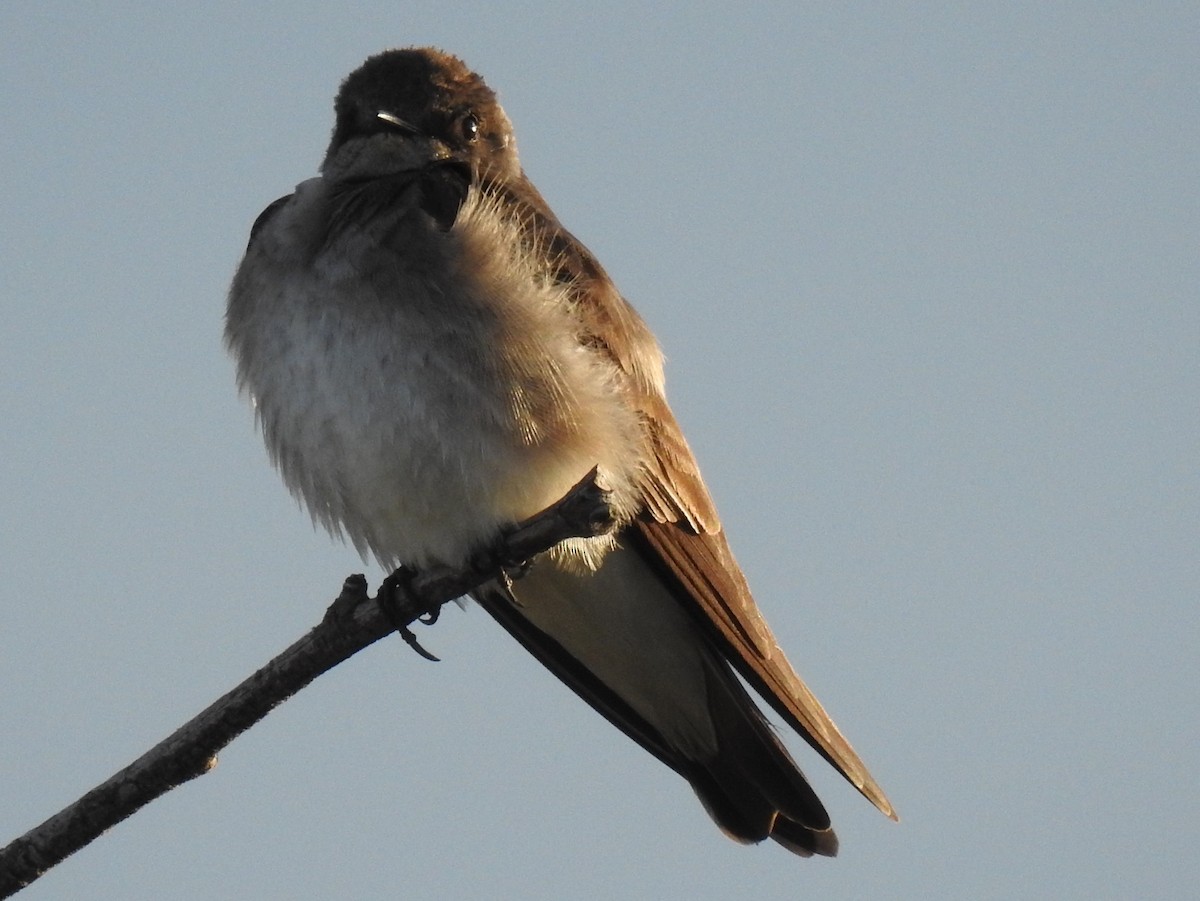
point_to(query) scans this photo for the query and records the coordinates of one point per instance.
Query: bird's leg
(495, 558)
(514, 571)
(393, 591)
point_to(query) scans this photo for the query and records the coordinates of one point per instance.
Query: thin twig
(353, 622)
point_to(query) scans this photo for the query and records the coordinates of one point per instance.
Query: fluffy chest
(419, 390)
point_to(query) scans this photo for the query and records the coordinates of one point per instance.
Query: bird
(432, 356)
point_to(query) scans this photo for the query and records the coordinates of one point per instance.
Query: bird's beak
(398, 122)
(437, 149)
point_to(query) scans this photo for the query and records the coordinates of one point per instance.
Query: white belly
(417, 409)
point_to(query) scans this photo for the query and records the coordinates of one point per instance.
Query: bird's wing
(679, 531)
(264, 217)
(708, 580)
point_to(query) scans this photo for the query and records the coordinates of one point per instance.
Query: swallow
(432, 356)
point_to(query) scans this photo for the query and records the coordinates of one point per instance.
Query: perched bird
(433, 357)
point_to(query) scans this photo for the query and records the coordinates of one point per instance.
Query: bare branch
(353, 622)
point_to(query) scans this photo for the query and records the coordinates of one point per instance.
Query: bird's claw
(493, 559)
(409, 637)
(393, 588)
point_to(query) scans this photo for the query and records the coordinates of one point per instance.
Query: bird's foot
(495, 559)
(394, 592)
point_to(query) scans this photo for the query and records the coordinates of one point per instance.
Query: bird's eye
(468, 127)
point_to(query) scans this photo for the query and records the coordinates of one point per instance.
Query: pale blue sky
(927, 278)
